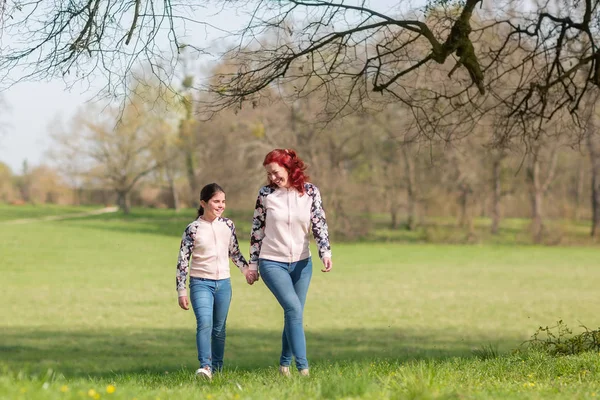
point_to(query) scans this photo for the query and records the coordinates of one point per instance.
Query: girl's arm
(183, 261)
(258, 230)
(319, 223)
(235, 254)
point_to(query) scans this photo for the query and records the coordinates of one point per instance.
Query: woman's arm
(258, 230)
(319, 223)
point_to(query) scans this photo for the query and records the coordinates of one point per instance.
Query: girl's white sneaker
(284, 371)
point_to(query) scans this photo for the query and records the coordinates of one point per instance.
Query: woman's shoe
(284, 371)
(204, 373)
(304, 372)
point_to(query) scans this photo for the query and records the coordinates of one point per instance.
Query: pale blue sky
(33, 106)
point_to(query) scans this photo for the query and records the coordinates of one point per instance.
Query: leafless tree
(542, 161)
(360, 55)
(118, 148)
(81, 40)
(356, 51)
(593, 145)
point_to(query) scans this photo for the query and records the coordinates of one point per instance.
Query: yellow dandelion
(110, 389)
(23, 390)
(91, 392)
(209, 396)
(64, 388)
(96, 396)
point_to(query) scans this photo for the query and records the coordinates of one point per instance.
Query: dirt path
(60, 217)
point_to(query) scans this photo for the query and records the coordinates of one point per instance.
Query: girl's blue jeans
(289, 283)
(210, 301)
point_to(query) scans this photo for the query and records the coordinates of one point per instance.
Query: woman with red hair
(286, 209)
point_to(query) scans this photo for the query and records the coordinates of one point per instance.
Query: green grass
(13, 212)
(512, 231)
(91, 302)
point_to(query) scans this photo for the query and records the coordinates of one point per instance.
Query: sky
(29, 108)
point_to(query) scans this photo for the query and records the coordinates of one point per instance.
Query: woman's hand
(251, 275)
(327, 264)
(184, 303)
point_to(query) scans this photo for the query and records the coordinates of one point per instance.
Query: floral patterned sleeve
(319, 222)
(258, 229)
(183, 261)
(234, 248)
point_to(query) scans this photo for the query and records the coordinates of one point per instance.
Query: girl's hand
(251, 276)
(183, 303)
(327, 264)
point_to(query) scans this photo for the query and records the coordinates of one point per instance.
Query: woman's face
(215, 206)
(277, 174)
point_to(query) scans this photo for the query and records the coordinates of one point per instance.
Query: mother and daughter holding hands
(286, 209)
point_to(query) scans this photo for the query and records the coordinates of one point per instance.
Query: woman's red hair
(288, 159)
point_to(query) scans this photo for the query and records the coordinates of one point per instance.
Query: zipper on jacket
(290, 227)
(216, 246)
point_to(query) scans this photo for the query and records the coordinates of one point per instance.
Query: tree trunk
(465, 218)
(77, 195)
(172, 188)
(538, 189)
(393, 206)
(123, 201)
(537, 225)
(579, 190)
(497, 195)
(411, 189)
(394, 215)
(186, 135)
(533, 175)
(593, 142)
(191, 175)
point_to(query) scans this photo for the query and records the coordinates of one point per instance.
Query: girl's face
(214, 207)
(277, 174)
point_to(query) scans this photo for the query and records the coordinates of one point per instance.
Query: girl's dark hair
(207, 193)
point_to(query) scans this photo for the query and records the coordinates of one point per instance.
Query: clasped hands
(251, 275)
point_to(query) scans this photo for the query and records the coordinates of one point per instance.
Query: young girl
(206, 245)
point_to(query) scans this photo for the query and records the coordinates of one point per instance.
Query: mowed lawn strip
(91, 303)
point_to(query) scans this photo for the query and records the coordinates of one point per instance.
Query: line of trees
(460, 109)
(157, 152)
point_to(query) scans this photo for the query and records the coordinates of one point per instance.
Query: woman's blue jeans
(289, 283)
(210, 301)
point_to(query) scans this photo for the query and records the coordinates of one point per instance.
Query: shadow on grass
(155, 222)
(102, 353)
(434, 230)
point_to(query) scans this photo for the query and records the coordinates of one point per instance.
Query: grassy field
(27, 211)
(89, 310)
